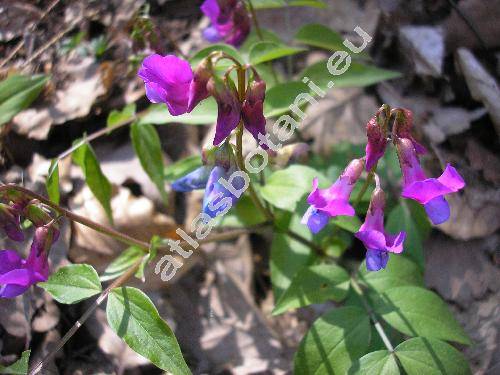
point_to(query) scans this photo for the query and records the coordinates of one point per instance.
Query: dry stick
(469, 23)
(56, 38)
(30, 29)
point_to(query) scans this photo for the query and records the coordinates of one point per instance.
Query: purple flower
(228, 105)
(377, 241)
(18, 274)
(194, 180)
(167, 80)
(377, 142)
(218, 198)
(429, 192)
(10, 221)
(252, 110)
(230, 21)
(334, 201)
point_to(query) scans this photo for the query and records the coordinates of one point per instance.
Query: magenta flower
(252, 110)
(228, 105)
(429, 192)
(18, 274)
(377, 142)
(167, 80)
(230, 21)
(198, 88)
(334, 201)
(377, 241)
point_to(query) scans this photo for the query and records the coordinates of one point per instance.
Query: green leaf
(117, 117)
(204, 113)
(334, 341)
(73, 283)
(349, 223)
(97, 182)
(182, 167)
(288, 256)
(147, 146)
(226, 48)
(134, 318)
(281, 96)
(400, 271)
(358, 75)
(243, 214)
(253, 37)
(380, 362)
(431, 357)
(286, 187)
(321, 36)
(261, 52)
(416, 228)
(20, 367)
(17, 92)
(52, 182)
(266, 4)
(122, 263)
(417, 311)
(314, 284)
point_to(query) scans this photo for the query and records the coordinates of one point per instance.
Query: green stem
(380, 330)
(367, 183)
(306, 242)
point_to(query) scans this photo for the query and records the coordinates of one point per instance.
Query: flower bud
(11, 222)
(252, 110)
(198, 87)
(37, 215)
(221, 156)
(377, 142)
(403, 122)
(228, 105)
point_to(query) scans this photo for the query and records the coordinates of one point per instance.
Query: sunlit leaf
(204, 113)
(73, 283)
(20, 367)
(52, 182)
(134, 318)
(262, 52)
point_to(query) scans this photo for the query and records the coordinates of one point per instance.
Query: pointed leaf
(321, 36)
(17, 92)
(281, 96)
(182, 167)
(134, 318)
(52, 182)
(73, 283)
(147, 146)
(357, 75)
(204, 113)
(118, 117)
(97, 182)
(122, 263)
(261, 52)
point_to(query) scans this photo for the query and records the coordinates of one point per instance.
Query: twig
(469, 23)
(56, 38)
(30, 29)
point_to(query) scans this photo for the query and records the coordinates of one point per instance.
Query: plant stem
(367, 183)
(373, 317)
(122, 237)
(255, 21)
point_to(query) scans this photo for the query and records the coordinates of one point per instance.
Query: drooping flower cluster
(170, 80)
(430, 192)
(229, 19)
(16, 273)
